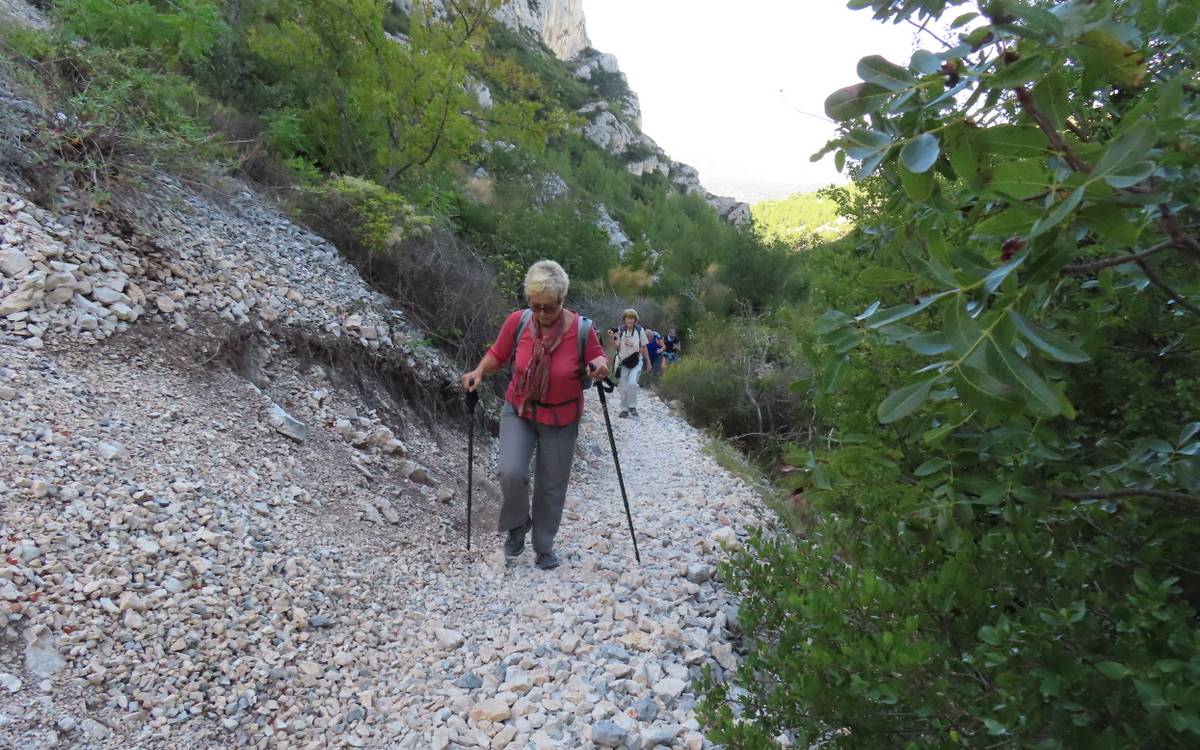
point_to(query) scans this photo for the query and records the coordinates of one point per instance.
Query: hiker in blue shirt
(655, 349)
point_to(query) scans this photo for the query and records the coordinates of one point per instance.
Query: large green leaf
(861, 143)
(1015, 179)
(891, 315)
(932, 268)
(1052, 344)
(1022, 71)
(1050, 96)
(1017, 219)
(984, 392)
(961, 151)
(868, 165)
(919, 154)
(925, 62)
(905, 401)
(855, 101)
(1057, 214)
(1127, 149)
(1013, 141)
(1039, 23)
(831, 376)
(1180, 19)
(1110, 223)
(1010, 369)
(831, 321)
(1113, 670)
(993, 280)
(1130, 175)
(929, 344)
(917, 186)
(878, 70)
(962, 331)
(883, 277)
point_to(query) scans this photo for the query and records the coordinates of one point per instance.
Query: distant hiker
(632, 356)
(551, 348)
(655, 349)
(672, 347)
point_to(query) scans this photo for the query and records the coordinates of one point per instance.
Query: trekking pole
(472, 400)
(604, 387)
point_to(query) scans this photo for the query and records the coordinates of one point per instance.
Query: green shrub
(110, 121)
(361, 217)
(171, 36)
(439, 281)
(736, 377)
(1004, 523)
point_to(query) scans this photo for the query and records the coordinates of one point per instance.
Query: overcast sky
(724, 85)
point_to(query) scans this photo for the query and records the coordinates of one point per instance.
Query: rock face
(559, 24)
(616, 235)
(614, 133)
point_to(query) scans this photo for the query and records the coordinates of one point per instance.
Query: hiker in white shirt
(632, 358)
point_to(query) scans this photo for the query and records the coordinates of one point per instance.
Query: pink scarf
(532, 384)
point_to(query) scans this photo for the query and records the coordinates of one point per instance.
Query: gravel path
(600, 649)
(179, 573)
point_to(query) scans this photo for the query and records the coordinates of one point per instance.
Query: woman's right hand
(471, 380)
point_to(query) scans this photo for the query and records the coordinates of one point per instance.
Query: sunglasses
(540, 308)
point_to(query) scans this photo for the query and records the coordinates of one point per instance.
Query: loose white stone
(492, 709)
(13, 262)
(449, 639)
(286, 424)
(670, 687)
(111, 451)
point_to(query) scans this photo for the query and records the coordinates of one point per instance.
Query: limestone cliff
(559, 24)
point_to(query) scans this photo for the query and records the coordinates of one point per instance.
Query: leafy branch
(1115, 494)
(1087, 268)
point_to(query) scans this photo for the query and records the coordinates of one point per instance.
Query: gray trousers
(628, 386)
(555, 448)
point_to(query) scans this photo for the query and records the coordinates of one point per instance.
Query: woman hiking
(632, 357)
(552, 349)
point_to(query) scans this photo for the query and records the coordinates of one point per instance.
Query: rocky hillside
(232, 514)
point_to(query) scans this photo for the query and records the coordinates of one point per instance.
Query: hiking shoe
(633, 412)
(515, 544)
(623, 414)
(547, 560)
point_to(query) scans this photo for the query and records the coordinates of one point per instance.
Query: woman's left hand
(599, 368)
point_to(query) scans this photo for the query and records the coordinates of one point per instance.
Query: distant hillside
(798, 216)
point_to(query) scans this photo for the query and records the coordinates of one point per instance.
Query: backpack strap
(585, 328)
(526, 316)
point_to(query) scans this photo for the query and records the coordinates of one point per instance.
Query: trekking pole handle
(472, 397)
(604, 385)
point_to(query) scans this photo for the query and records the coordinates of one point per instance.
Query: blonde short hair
(630, 313)
(547, 277)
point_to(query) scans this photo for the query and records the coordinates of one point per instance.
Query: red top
(565, 388)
